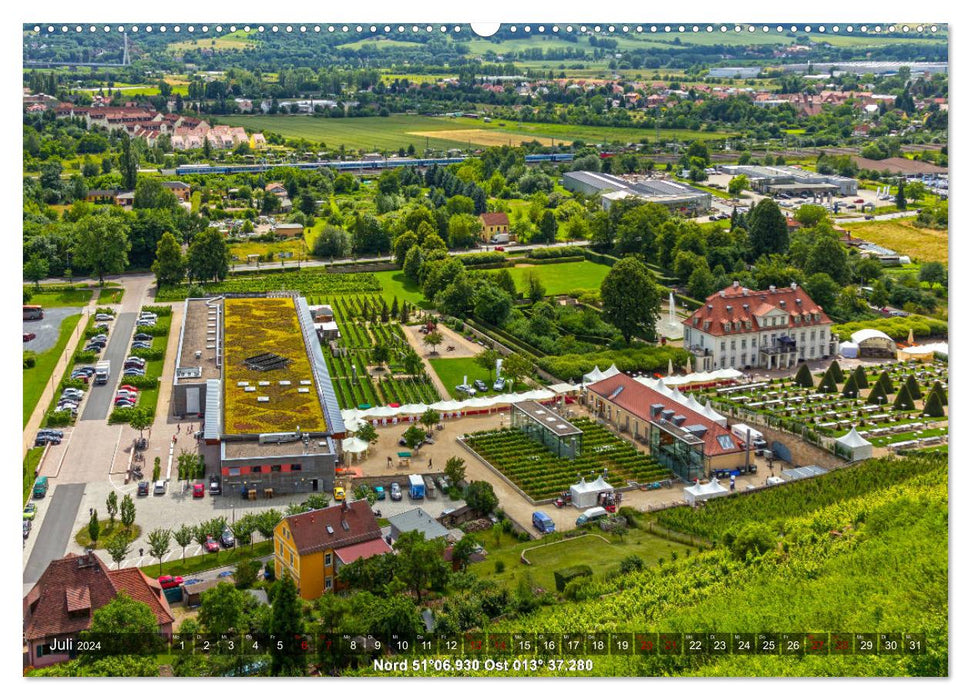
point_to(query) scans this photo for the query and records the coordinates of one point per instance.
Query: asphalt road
(100, 398)
(48, 328)
(55, 532)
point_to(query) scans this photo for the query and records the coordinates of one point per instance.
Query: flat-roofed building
(674, 195)
(544, 425)
(784, 179)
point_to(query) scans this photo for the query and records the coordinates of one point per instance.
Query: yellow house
(312, 547)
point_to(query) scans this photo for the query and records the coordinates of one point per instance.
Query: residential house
(101, 196)
(312, 547)
(416, 519)
(494, 223)
(289, 230)
(772, 329)
(63, 601)
(179, 189)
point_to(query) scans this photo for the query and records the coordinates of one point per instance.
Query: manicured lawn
(111, 295)
(451, 372)
(30, 466)
(905, 237)
(561, 278)
(36, 378)
(108, 530)
(589, 549)
(202, 562)
(69, 297)
(395, 284)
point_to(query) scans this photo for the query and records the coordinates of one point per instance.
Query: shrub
(913, 388)
(571, 251)
(755, 539)
(483, 259)
(571, 573)
(500, 566)
(903, 402)
(860, 375)
(58, 419)
(631, 563)
(577, 590)
(30, 359)
(933, 407)
(160, 311)
(804, 377)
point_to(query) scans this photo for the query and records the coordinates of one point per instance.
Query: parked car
(101, 337)
(42, 440)
(499, 384)
(211, 545)
(379, 492)
(198, 490)
(143, 322)
(133, 372)
(480, 385)
(51, 431)
(29, 336)
(160, 487)
(339, 494)
(104, 317)
(128, 387)
(96, 349)
(142, 488)
(395, 491)
(30, 510)
(227, 538)
(101, 326)
(465, 389)
(134, 360)
(141, 346)
(143, 337)
(26, 528)
(215, 485)
(167, 581)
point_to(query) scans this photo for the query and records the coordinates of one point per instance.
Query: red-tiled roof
(310, 534)
(71, 589)
(362, 550)
(498, 218)
(732, 310)
(637, 399)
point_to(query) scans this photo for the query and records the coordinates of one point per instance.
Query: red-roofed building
(63, 601)
(690, 444)
(744, 328)
(494, 223)
(311, 547)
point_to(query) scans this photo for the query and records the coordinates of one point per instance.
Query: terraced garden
(305, 281)
(540, 475)
(362, 328)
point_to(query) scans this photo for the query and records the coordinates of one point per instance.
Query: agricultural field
(402, 130)
(231, 41)
(254, 326)
(541, 475)
(307, 281)
(348, 369)
(905, 237)
(873, 406)
(860, 535)
(562, 278)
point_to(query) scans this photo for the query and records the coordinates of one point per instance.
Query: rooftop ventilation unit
(696, 430)
(656, 408)
(667, 414)
(678, 419)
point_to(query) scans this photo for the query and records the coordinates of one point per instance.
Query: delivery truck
(416, 486)
(101, 372)
(746, 433)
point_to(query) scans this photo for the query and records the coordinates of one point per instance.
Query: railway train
(355, 165)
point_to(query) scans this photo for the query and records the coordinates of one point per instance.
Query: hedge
(897, 328)
(570, 251)
(648, 358)
(555, 261)
(564, 576)
(480, 259)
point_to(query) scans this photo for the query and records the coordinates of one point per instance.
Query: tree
(631, 299)
(412, 362)
(159, 544)
(701, 282)
(487, 360)
(267, 521)
(183, 537)
(420, 562)
(939, 390)
(151, 194)
(859, 375)
(480, 497)
(913, 388)
(141, 419)
(413, 262)
(809, 215)
(286, 619)
(492, 305)
(804, 377)
(933, 273)
(877, 396)
(823, 290)
(546, 232)
(885, 381)
(458, 297)
(837, 371)
(515, 367)
(850, 389)
(367, 433)
(753, 539)
(827, 385)
(223, 609)
(380, 354)
(455, 470)
(737, 184)
(535, 291)
(932, 406)
(767, 229)
(394, 615)
(433, 340)
(111, 505)
(169, 265)
(631, 563)
(901, 199)
(903, 400)
(101, 245)
(243, 530)
(124, 615)
(208, 257)
(414, 437)
(94, 527)
(332, 242)
(128, 163)
(463, 550)
(127, 511)
(36, 269)
(828, 256)
(118, 547)
(430, 418)
(504, 281)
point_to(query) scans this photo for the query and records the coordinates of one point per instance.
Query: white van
(743, 432)
(591, 514)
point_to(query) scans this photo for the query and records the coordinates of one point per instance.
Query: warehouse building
(676, 196)
(793, 181)
(253, 370)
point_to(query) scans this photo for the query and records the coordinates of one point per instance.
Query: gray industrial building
(780, 179)
(254, 465)
(864, 67)
(676, 196)
(735, 72)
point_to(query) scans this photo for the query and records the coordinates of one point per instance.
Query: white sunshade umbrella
(354, 445)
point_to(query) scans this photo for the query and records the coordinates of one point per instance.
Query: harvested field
(921, 244)
(487, 137)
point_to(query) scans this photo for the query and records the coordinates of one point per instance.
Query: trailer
(416, 486)
(102, 370)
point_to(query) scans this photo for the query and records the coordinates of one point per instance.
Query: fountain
(670, 327)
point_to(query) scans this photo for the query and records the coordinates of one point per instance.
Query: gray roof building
(416, 519)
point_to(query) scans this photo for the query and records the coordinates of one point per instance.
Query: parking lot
(48, 328)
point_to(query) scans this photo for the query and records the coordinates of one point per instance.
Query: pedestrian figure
(429, 464)
(179, 429)
(141, 552)
(90, 511)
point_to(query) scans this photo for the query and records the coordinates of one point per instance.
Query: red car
(29, 336)
(167, 581)
(499, 249)
(858, 201)
(211, 545)
(129, 387)
(198, 490)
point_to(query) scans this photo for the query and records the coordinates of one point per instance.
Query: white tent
(702, 492)
(354, 445)
(564, 388)
(704, 377)
(849, 349)
(352, 425)
(714, 415)
(584, 494)
(853, 447)
(596, 374)
(928, 349)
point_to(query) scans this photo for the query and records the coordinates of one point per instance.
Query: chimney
(772, 288)
(793, 285)
(735, 284)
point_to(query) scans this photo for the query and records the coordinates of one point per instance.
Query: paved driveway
(99, 399)
(55, 530)
(48, 328)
